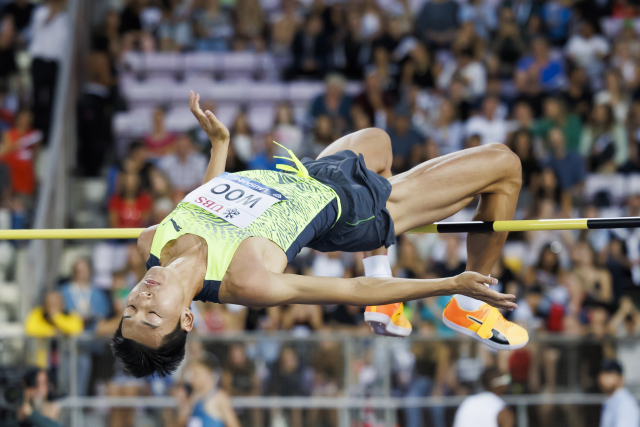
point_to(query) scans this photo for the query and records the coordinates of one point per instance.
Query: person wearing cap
(621, 407)
(487, 408)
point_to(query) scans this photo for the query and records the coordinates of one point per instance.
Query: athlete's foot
(486, 324)
(388, 320)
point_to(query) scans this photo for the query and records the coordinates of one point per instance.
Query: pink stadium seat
(238, 65)
(261, 118)
(614, 185)
(266, 93)
(204, 64)
(180, 120)
(147, 94)
(163, 64)
(301, 93)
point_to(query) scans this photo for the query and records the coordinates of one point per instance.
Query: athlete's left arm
(256, 286)
(218, 135)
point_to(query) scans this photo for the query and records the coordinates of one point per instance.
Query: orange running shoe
(486, 324)
(388, 320)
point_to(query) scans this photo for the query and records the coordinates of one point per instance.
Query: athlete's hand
(473, 285)
(215, 129)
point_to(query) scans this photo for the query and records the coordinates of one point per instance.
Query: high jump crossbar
(440, 227)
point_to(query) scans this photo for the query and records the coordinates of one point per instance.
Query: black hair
(488, 376)
(141, 361)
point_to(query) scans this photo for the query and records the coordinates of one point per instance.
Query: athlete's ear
(187, 320)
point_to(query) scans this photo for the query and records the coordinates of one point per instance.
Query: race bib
(234, 198)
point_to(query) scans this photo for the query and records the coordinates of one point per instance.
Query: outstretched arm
(218, 135)
(258, 287)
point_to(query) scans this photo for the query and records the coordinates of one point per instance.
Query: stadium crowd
(558, 81)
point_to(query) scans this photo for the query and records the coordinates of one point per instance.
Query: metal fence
(366, 371)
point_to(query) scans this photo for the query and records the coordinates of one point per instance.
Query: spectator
(249, 21)
(289, 377)
(17, 151)
(613, 93)
(52, 319)
(130, 207)
(242, 137)
(213, 27)
(595, 281)
(175, 30)
(521, 143)
(621, 407)
(285, 131)
(488, 124)
(557, 15)
(487, 408)
(374, 100)
(436, 22)
(333, 103)
(310, 50)
(403, 138)
(239, 378)
(604, 141)
(568, 166)
(160, 141)
(482, 15)
(556, 115)
(285, 25)
(302, 319)
(49, 29)
(185, 167)
(588, 50)
(20, 12)
(80, 297)
(578, 96)
(36, 409)
(447, 130)
(264, 158)
(507, 45)
(540, 67)
(470, 72)
(420, 69)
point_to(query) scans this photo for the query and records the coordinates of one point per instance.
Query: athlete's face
(154, 307)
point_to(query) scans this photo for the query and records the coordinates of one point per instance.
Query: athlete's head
(152, 334)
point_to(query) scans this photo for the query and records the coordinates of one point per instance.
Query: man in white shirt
(621, 407)
(588, 49)
(184, 166)
(487, 409)
(470, 70)
(49, 42)
(488, 124)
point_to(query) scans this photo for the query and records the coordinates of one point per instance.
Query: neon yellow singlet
(281, 223)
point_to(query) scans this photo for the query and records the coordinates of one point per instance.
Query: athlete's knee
(380, 139)
(510, 165)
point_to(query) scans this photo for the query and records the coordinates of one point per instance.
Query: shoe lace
(503, 325)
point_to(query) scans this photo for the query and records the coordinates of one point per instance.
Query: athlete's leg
(375, 146)
(441, 187)
(437, 189)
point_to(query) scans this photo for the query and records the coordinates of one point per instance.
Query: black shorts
(365, 223)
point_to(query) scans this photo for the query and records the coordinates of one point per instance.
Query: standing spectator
(333, 103)
(130, 207)
(17, 151)
(487, 409)
(436, 22)
(621, 407)
(185, 167)
(160, 141)
(49, 42)
(310, 50)
(488, 124)
(588, 50)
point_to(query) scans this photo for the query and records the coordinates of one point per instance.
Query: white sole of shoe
(381, 324)
(474, 335)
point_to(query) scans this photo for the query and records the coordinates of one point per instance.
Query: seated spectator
(175, 30)
(482, 15)
(285, 23)
(548, 72)
(403, 138)
(242, 137)
(420, 69)
(333, 103)
(604, 141)
(249, 21)
(233, 162)
(289, 377)
(521, 143)
(578, 96)
(37, 409)
(507, 45)
(436, 23)
(320, 137)
(285, 131)
(264, 158)
(51, 319)
(447, 131)
(469, 71)
(588, 50)
(130, 207)
(17, 151)
(595, 281)
(557, 16)
(80, 297)
(185, 167)
(310, 50)
(568, 166)
(488, 125)
(302, 319)
(614, 94)
(239, 378)
(213, 28)
(556, 115)
(374, 100)
(160, 141)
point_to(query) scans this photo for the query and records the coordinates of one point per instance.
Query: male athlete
(230, 240)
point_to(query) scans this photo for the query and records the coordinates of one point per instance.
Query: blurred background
(95, 131)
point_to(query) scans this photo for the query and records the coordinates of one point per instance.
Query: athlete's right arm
(218, 135)
(258, 287)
